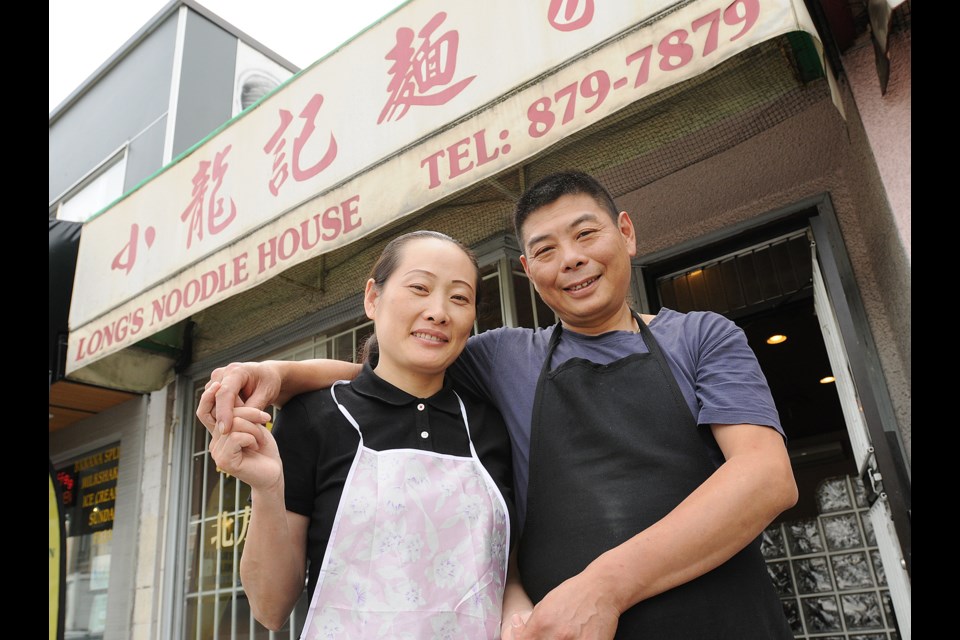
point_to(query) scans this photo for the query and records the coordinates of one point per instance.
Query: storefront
(740, 151)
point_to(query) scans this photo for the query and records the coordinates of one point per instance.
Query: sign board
(88, 489)
(422, 105)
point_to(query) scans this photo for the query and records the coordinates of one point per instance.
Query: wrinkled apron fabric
(418, 549)
(613, 449)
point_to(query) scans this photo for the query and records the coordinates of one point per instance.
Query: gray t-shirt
(714, 366)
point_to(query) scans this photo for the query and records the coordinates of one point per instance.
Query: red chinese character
(570, 15)
(194, 210)
(65, 479)
(214, 222)
(418, 71)
(128, 254)
(277, 143)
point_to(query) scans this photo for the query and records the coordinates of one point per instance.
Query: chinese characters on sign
(128, 254)
(277, 143)
(417, 73)
(570, 15)
(328, 159)
(216, 222)
(225, 534)
(421, 75)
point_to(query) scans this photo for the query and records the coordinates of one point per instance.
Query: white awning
(433, 99)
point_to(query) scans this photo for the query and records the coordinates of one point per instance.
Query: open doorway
(822, 554)
(800, 378)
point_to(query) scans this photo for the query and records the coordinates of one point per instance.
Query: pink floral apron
(418, 549)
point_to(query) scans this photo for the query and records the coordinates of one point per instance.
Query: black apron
(613, 449)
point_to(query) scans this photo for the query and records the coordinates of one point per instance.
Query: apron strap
(343, 409)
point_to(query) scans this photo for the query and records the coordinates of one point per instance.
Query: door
(876, 479)
(839, 558)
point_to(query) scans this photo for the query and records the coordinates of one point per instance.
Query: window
(762, 275)
(508, 298)
(216, 606)
(95, 194)
(531, 310)
(88, 489)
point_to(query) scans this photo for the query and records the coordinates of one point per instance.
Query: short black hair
(551, 188)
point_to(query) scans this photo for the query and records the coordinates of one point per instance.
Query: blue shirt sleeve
(729, 384)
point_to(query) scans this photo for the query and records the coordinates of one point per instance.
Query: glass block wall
(827, 569)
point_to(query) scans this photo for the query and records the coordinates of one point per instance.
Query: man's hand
(250, 384)
(514, 625)
(576, 609)
(248, 452)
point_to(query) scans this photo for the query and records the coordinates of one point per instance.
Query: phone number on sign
(674, 51)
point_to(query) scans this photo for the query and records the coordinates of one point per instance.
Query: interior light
(776, 338)
(827, 380)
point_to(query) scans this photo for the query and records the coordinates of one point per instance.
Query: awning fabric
(64, 244)
(304, 171)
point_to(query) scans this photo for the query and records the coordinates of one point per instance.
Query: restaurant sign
(420, 106)
(88, 490)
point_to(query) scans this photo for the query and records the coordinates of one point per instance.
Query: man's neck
(623, 320)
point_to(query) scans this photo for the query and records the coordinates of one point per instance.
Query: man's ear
(629, 233)
(371, 297)
(523, 263)
(526, 270)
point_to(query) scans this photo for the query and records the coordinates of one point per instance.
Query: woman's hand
(247, 450)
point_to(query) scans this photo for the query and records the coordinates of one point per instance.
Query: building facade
(179, 78)
(761, 147)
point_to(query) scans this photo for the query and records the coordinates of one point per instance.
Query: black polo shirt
(317, 444)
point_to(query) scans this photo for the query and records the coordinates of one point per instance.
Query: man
(648, 454)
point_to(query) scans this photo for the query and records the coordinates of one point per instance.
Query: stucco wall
(886, 119)
(813, 153)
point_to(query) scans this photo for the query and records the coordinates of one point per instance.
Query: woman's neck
(416, 384)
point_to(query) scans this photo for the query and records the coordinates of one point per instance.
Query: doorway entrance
(822, 555)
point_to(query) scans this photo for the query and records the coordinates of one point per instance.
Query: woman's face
(424, 312)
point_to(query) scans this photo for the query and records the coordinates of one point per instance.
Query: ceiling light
(776, 338)
(827, 380)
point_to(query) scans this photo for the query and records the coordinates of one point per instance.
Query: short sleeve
(299, 452)
(730, 386)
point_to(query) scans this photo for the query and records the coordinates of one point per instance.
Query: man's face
(578, 259)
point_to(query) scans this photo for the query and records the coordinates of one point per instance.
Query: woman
(390, 492)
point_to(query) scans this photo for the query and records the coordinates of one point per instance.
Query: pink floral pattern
(417, 552)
